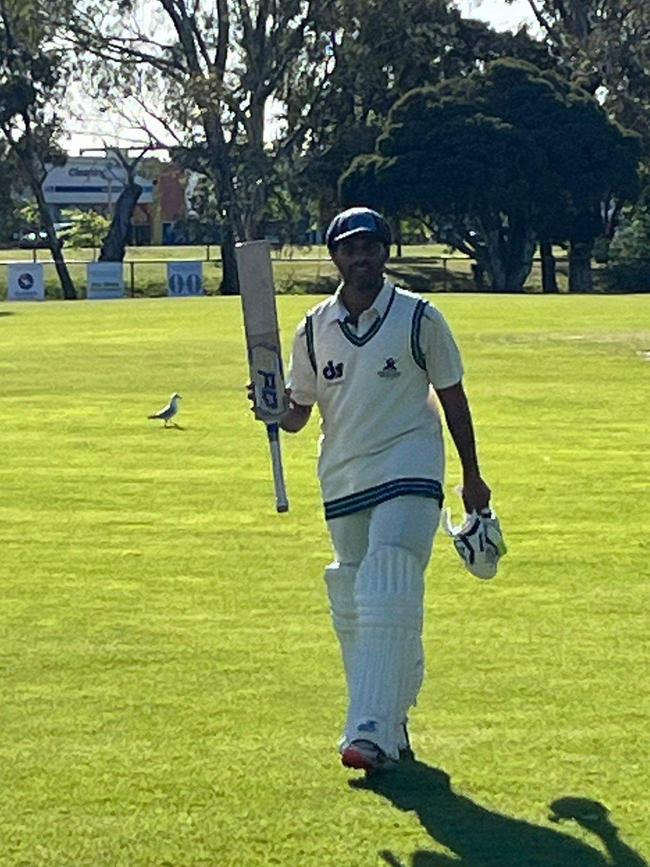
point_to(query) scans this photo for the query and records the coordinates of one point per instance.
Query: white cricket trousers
(376, 592)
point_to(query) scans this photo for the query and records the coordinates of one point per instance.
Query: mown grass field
(170, 691)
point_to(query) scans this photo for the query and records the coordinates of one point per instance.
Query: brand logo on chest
(389, 370)
(333, 371)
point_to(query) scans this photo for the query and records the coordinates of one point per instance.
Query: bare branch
(115, 49)
(183, 27)
(163, 120)
(537, 12)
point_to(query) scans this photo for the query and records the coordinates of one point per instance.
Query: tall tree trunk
(54, 242)
(580, 276)
(509, 259)
(229, 276)
(549, 275)
(612, 218)
(116, 240)
(519, 254)
(478, 273)
(397, 237)
(493, 264)
(232, 227)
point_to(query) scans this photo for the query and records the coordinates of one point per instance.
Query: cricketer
(370, 358)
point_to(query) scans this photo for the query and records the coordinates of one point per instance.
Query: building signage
(25, 282)
(87, 181)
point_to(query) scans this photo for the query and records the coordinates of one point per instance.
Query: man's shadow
(479, 837)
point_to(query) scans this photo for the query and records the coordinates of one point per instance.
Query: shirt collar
(379, 306)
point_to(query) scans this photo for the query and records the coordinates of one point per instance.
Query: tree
(9, 214)
(30, 84)
(603, 44)
(88, 228)
(114, 244)
(216, 70)
(629, 253)
(496, 159)
(387, 48)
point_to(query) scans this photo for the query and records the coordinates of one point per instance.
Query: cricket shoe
(363, 755)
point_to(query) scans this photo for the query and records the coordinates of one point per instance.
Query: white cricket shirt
(380, 436)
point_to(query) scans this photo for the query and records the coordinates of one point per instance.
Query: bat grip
(281, 501)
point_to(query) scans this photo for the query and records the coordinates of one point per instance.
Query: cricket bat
(264, 350)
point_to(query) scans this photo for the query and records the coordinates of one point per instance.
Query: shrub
(629, 259)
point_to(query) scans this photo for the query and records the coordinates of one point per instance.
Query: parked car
(38, 240)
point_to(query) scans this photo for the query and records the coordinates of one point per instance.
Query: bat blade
(264, 349)
(261, 327)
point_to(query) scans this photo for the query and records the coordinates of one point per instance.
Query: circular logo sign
(25, 281)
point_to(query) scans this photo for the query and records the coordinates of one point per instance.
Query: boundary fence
(300, 274)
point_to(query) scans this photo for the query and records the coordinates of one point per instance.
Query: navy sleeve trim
(309, 338)
(416, 323)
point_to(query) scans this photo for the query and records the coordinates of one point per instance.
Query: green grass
(171, 692)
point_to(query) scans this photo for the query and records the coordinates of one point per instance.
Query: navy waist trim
(380, 493)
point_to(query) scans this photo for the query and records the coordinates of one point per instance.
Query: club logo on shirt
(389, 370)
(333, 371)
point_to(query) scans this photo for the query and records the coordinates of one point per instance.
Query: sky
(96, 127)
(498, 13)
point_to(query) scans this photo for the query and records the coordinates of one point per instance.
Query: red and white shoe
(363, 755)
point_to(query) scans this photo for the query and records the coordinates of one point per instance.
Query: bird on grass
(167, 413)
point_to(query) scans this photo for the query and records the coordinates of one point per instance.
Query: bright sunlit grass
(171, 692)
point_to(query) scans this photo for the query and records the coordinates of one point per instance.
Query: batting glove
(478, 541)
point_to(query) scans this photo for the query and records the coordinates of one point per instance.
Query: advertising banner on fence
(184, 278)
(25, 282)
(105, 280)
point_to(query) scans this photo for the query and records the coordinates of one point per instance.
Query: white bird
(168, 412)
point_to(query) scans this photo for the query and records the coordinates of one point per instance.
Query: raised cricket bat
(264, 350)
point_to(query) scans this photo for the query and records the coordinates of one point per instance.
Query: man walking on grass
(370, 357)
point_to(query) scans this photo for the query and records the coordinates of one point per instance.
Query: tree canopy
(496, 159)
(605, 47)
(387, 48)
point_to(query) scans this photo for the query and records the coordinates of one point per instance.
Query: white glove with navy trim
(478, 541)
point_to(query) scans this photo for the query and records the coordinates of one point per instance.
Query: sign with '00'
(184, 278)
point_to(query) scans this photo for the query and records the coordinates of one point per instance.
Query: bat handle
(281, 501)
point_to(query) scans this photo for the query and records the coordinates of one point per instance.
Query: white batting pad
(386, 672)
(340, 590)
